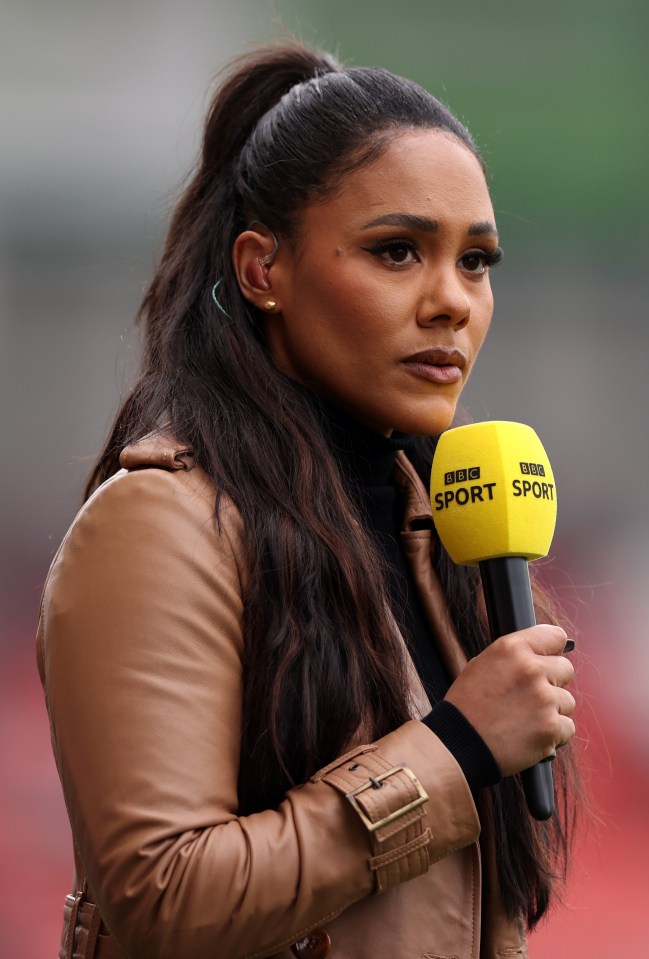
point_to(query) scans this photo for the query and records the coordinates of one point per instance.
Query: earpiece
(257, 274)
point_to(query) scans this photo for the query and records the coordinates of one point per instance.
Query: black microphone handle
(510, 607)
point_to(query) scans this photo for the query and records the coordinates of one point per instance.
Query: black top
(367, 460)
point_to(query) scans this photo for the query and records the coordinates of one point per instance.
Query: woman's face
(385, 300)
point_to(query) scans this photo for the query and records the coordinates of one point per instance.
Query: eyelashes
(484, 259)
(492, 257)
(392, 251)
(398, 252)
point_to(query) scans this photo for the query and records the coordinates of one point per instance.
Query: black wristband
(465, 743)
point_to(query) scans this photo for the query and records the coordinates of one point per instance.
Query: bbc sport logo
(462, 476)
(532, 469)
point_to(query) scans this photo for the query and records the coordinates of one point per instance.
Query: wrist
(465, 744)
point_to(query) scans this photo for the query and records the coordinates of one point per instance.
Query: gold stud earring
(270, 305)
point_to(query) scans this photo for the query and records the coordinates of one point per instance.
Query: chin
(427, 421)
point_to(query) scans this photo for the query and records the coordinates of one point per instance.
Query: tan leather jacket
(139, 650)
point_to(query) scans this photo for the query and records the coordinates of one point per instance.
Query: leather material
(143, 686)
(381, 795)
(84, 935)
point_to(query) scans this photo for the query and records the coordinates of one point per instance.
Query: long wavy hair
(321, 658)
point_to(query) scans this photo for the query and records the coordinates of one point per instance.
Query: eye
(395, 252)
(477, 262)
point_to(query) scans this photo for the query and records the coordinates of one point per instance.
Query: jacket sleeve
(140, 655)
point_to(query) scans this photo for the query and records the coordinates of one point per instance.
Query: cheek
(347, 284)
(482, 321)
(343, 313)
(481, 334)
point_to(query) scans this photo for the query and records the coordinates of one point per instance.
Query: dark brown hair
(321, 658)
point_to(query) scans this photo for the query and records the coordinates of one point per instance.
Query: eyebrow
(404, 219)
(484, 227)
(414, 222)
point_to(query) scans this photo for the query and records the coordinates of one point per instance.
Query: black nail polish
(570, 645)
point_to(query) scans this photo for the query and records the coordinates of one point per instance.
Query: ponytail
(255, 83)
(211, 213)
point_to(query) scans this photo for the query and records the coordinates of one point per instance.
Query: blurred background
(100, 114)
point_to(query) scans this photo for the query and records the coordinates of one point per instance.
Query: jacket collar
(161, 449)
(158, 449)
(417, 513)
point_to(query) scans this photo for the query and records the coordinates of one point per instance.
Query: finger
(568, 730)
(560, 671)
(566, 703)
(545, 639)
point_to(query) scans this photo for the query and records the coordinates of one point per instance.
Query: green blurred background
(554, 92)
(100, 113)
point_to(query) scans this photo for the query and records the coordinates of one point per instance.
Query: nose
(446, 301)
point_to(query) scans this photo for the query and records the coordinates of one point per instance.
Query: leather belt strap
(70, 915)
(390, 801)
(84, 935)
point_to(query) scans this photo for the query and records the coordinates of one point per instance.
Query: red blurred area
(603, 908)
(35, 843)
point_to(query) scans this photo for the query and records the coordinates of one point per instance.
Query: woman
(253, 648)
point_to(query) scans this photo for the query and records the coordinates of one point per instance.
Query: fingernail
(570, 645)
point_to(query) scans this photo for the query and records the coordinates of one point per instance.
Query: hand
(513, 694)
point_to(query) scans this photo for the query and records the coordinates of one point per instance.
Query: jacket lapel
(418, 543)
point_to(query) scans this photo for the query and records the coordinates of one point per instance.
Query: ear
(251, 249)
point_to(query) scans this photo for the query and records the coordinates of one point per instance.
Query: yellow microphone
(494, 503)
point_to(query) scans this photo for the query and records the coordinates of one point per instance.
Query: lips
(441, 366)
(439, 356)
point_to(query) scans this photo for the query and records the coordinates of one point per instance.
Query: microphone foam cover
(493, 493)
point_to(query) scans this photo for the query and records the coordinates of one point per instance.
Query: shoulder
(158, 511)
(161, 487)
